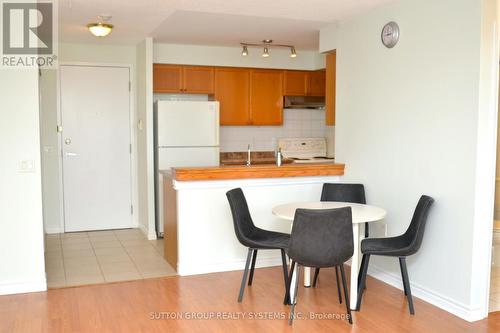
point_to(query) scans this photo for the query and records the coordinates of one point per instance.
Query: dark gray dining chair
(253, 237)
(344, 193)
(400, 246)
(320, 238)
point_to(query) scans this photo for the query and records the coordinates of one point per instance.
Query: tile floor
(495, 275)
(83, 258)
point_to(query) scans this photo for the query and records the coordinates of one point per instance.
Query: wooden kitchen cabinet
(331, 74)
(179, 79)
(304, 83)
(296, 83)
(232, 90)
(266, 97)
(317, 83)
(167, 78)
(198, 80)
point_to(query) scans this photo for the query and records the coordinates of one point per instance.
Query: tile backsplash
(297, 123)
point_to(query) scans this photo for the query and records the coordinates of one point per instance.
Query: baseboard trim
(53, 230)
(235, 265)
(443, 302)
(151, 235)
(21, 287)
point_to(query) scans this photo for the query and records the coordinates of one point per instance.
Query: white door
(95, 109)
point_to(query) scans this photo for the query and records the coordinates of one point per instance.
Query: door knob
(67, 141)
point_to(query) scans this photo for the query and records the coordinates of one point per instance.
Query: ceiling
(230, 30)
(208, 22)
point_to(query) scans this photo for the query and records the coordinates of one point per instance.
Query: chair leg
(252, 268)
(315, 279)
(403, 278)
(367, 230)
(406, 282)
(359, 275)
(288, 284)
(362, 280)
(285, 272)
(346, 293)
(338, 283)
(294, 301)
(245, 273)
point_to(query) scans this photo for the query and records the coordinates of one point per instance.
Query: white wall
(101, 53)
(407, 124)
(144, 55)
(49, 137)
(486, 156)
(231, 56)
(21, 223)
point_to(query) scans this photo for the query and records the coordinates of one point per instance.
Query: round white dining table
(360, 214)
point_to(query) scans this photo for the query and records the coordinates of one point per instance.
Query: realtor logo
(28, 33)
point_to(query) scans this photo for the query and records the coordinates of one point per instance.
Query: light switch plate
(27, 166)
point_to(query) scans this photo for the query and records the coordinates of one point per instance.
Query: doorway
(97, 239)
(96, 147)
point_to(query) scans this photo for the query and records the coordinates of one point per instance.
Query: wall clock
(390, 34)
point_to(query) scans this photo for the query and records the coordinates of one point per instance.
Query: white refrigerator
(186, 135)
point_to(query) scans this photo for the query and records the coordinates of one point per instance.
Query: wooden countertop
(257, 171)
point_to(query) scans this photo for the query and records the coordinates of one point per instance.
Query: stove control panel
(303, 148)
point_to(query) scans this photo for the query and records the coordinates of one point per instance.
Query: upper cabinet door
(232, 90)
(198, 80)
(317, 83)
(296, 83)
(266, 97)
(167, 78)
(331, 63)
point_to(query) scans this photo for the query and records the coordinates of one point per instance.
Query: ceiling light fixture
(100, 28)
(245, 51)
(267, 45)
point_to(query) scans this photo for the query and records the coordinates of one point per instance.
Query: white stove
(305, 150)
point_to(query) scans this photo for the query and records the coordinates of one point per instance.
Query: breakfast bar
(199, 233)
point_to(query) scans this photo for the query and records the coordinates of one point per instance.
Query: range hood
(304, 102)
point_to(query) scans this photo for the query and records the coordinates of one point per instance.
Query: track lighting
(265, 54)
(266, 44)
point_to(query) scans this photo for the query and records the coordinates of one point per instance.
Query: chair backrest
(321, 238)
(242, 220)
(343, 192)
(415, 232)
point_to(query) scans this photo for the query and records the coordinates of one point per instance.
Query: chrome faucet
(249, 158)
(279, 157)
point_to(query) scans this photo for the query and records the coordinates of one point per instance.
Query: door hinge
(130, 148)
(129, 86)
(131, 210)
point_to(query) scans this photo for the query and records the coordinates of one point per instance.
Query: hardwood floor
(130, 307)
